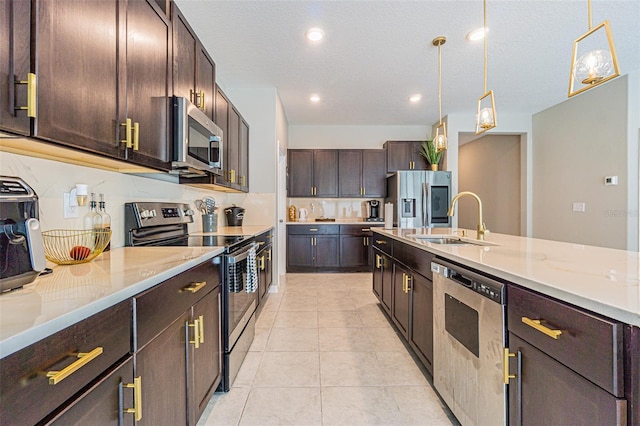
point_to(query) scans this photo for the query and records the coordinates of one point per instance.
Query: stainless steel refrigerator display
(420, 198)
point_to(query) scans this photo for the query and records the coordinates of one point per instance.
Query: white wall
(356, 137)
(577, 144)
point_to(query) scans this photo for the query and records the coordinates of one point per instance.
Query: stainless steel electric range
(165, 224)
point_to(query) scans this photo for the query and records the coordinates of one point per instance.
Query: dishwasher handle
(452, 274)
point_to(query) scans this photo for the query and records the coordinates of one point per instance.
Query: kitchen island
(569, 350)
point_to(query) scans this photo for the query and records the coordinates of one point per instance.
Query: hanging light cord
(485, 45)
(440, 82)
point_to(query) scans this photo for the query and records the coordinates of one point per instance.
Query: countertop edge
(590, 304)
(38, 332)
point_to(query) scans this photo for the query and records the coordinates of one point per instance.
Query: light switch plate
(579, 207)
(69, 211)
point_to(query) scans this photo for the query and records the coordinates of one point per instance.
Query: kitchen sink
(449, 239)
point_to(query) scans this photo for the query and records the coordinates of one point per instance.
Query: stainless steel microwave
(197, 141)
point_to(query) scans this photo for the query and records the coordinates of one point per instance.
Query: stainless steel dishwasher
(468, 341)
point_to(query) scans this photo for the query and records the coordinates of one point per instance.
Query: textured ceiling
(377, 53)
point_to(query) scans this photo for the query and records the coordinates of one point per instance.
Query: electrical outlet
(69, 211)
(579, 207)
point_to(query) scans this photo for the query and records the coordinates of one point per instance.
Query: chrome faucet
(482, 228)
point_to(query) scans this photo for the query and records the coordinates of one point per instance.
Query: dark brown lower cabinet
(310, 253)
(401, 306)
(354, 252)
(383, 279)
(104, 403)
(545, 392)
(265, 267)
(421, 333)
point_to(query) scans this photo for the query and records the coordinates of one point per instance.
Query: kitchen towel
(252, 272)
(388, 216)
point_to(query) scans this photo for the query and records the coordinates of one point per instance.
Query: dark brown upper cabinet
(193, 68)
(404, 155)
(102, 87)
(235, 167)
(15, 65)
(362, 173)
(313, 173)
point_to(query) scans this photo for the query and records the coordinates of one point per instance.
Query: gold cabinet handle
(194, 287)
(31, 95)
(136, 135)
(409, 279)
(137, 398)
(261, 263)
(378, 261)
(202, 107)
(313, 229)
(404, 282)
(84, 358)
(243, 180)
(269, 255)
(192, 96)
(196, 333)
(366, 229)
(364, 191)
(127, 131)
(505, 366)
(201, 318)
(381, 242)
(537, 324)
(232, 176)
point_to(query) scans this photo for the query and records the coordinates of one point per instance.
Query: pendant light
(486, 113)
(440, 141)
(595, 66)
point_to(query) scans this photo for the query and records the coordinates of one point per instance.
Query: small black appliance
(235, 215)
(21, 248)
(374, 211)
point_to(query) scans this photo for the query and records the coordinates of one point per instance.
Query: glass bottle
(106, 219)
(92, 219)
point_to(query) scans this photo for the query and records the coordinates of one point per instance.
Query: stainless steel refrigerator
(420, 198)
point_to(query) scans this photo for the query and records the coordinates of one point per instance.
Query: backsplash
(338, 208)
(50, 179)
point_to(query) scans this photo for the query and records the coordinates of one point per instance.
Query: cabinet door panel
(222, 120)
(327, 251)
(421, 336)
(233, 144)
(353, 251)
(554, 394)
(387, 282)
(401, 299)
(184, 64)
(374, 173)
(162, 365)
(148, 74)
(15, 53)
(100, 404)
(77, 74)
(243, 157)
(350, 172)
(377, 274)
(299, 251)
(300, 173)
(205, 79)
(325, 172)
(207, 359)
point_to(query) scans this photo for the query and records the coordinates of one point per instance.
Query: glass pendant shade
(486, 114)
(595, 64)
(440, 141)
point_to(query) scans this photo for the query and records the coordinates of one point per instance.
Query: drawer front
(26, 392)
(383, 243)
(589, 344)
(415, 258)
(357, 230)
(159, 306)
(313, 229)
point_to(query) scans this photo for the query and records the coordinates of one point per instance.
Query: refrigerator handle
(425, 211)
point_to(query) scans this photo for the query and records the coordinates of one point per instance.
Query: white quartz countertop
(75, 292)
(602, 280)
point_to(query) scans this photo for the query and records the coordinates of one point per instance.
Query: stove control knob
(152, 213)
(189, 212)
(144, 214)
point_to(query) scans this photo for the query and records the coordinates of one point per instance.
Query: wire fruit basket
(70, 246)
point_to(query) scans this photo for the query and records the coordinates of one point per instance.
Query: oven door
(241, 291)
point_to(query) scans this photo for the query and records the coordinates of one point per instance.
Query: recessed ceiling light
(477, 34)
(314, 98)
(314, 34)
(415, 98)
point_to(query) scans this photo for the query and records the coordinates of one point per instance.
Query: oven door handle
(235, 258)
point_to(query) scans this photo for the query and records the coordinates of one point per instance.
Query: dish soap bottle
(106, 219)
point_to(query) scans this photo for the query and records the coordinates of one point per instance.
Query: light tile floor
(325, 354)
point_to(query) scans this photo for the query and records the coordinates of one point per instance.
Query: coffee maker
(373, 206)
(21, 248)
